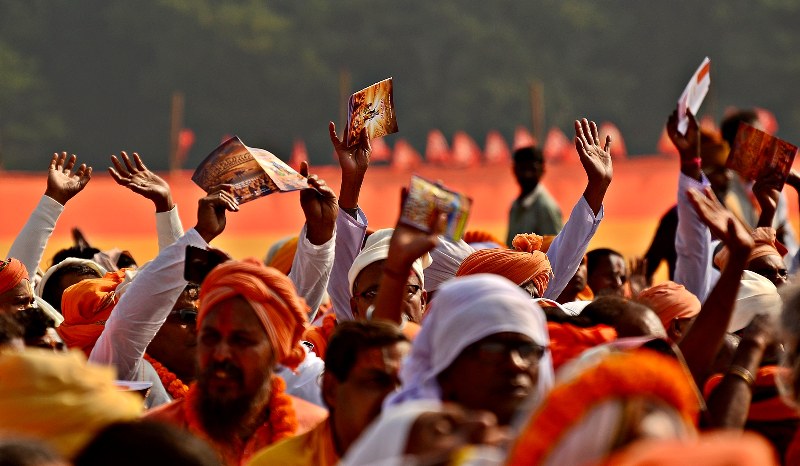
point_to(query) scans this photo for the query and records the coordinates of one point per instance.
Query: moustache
(228, 368)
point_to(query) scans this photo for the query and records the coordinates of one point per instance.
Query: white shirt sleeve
(569, 246)
(143, 308)
(311, 269)
(29, 245)
(350, 234)
(168, 227)
(693, 268)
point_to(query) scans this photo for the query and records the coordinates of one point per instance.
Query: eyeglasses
(371, 293)
(187, 316)
(497, 352)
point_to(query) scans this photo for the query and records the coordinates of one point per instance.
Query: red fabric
(466, 152)
(568, 341)
(405, 157)
(496, 151)
(437, 151)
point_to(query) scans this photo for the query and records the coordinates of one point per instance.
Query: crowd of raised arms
(397, 346)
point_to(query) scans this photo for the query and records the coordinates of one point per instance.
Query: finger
(228, 188)
(304, 168)
(595, 133)
(53, 162)
(587, 132)
(403, 197)
(60, 162)
(334, 138)
(580, 147)
(138, 161)
(88, 174)
(119, 168)
(116, 176)
(607, 147)
(439, 225)
(579, 134)
(364, 142)
(80, 171)
(128, 164)
(70, 163)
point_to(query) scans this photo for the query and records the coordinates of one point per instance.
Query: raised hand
(637, 275)
(136, 177)
(354, 163)
(62, 183)
(596, 161)
(767, 194)
(409, 244)
(319, 207)
(211, 211)
(688, 144)
(721, 221)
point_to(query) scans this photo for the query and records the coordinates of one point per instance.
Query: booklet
(371, 108)
(426, 198)
(253, 172)
(694, 94)
(756, 154)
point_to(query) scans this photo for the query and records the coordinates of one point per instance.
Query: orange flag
(437, 152)
(466, 152)
(523, 138)
(618, 149)
(405, 157)
(496, 151)
(299, 154)
(381, 152)
(557, 148)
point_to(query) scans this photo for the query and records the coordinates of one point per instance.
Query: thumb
(304, 168)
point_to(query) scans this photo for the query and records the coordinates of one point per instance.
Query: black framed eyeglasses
(187, 316)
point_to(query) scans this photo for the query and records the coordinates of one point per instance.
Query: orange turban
(480, 236)
(568, 341)
(670, 301)
(522, 264)
(273, 298)
(86, 306)
(283, 257)
(766, 245)
(12, 271)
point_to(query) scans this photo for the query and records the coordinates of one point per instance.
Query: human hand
(793, 179)
(721, 222)
(136, 177)
(319, 207)
(62, 183)
(761, 331)
(767, 193)
(596, 159)
(211, 211)
(409, 244)
(688, 144)
(637, 275)
(354, 162)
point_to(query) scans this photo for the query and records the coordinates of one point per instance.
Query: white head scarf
(447, 257)
(757, 295)
(377, 249)
(383, 443)
(68, 261)
(468, 309)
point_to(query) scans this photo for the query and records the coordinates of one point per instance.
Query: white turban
(377, 249)
(384, 441)
(447, 257)
(757, 295)
(468, 309)
(68, 261)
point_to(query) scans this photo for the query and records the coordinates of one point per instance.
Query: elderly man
(250, 319)
(16, 293)
(361, 367)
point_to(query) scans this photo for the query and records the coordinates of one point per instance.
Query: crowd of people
(400, 346)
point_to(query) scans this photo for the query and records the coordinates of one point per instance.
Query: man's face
(175, 344)
(528, 172)
(17, 298)
(235, 360)
(578, 281)
(720, 179)
(357, 401)
(497, 374)
(771, 267)
(609, 276)
(365, 289)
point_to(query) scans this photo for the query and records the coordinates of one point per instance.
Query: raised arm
(144, 307)
(703, 340)
(313, 261)
(62, 185)
(569, 246)
(351, 223)
(133, 175)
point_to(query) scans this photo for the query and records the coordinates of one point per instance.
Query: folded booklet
(371, 108)
(253, 172)
(756, 154)
(426, 199)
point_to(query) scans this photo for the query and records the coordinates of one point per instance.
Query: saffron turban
(522, 264)
(86, 306)
(446, 258)
(273, 298)
(766, 245)
(12, 272)
(483, 238)
(670, 301)
(568, 341)
(60, 399)
(281, 254)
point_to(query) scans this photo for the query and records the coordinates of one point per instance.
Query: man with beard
(250, 319)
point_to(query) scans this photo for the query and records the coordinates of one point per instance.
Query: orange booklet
(371, 108)
(756, 154)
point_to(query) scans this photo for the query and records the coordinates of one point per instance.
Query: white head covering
(757, 295)
(574, 308)
(468, 309)
(383, 443)
(447, 257)
(68, 261)
(377, 249)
